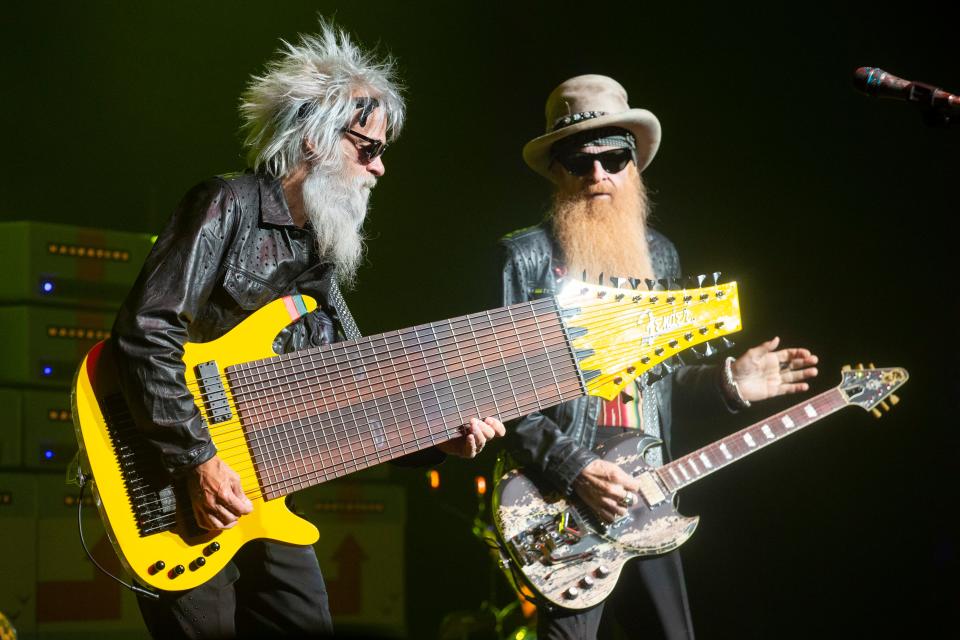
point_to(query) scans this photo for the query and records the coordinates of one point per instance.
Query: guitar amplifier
(361, 552)
(44, 345)
(69, 266)
(38, 430)
(48, 587)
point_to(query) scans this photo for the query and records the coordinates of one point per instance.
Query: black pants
(649, 597)
(268, 589)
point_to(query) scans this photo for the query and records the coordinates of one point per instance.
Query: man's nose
(376, 167)
(598, 172)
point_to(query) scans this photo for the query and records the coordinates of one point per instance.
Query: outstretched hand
(763, 373)
(472, 442)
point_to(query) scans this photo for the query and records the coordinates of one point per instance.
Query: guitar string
(337, 426)
(329, 426)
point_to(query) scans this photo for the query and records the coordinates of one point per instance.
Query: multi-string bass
(288, 422)
(567, 556)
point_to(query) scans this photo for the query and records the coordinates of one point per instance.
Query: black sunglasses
(581, 164)
(368, 152)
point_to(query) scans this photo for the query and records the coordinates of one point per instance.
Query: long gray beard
(337, 207)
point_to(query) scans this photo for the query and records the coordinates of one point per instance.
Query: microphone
(878, 83)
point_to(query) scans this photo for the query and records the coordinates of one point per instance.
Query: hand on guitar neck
(217, 495)
(475, 436)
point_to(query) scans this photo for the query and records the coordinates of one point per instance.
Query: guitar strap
(349, 325)
(651, 421)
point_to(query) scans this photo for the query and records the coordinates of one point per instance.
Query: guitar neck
(319, 414)
(702, 462)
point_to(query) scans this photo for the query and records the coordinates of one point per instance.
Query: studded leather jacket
(557, 442)
(230, 248)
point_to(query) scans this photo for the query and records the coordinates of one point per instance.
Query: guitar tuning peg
(700, 279)
(859, 366)
(584, 278)
(884, 405)
(651, 284)
(894, 399)
(716, 277)
(876, 413)
(845, 368)
(655, 374)
(680, 360)
(615, 281)
(600, 282)
(870, 366)
(668, 367)
(707, 350)
(664, 283)
(634, 282)
(727, 344)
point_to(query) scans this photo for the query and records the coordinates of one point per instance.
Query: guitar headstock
(871, 387)
(620, 332)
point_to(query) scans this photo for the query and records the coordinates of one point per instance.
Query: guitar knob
(571, 593)
(601, 572)
(177, 571)
(213, 547)
(894, 399)
(158, 566)
(586, 582)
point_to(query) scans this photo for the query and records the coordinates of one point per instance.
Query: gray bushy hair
(307, 93)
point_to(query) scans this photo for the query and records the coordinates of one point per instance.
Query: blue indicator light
(47, 370)
(48, 454)
(46, 286)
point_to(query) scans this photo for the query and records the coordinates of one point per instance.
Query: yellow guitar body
(188, 559)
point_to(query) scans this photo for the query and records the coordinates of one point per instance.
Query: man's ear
(310, 147)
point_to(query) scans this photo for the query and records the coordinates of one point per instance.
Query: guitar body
(566, 554)
(148, 517)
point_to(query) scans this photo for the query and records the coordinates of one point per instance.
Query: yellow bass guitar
(288, 422)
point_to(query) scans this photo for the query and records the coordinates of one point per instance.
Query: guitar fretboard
(318, 414)
(702, 462)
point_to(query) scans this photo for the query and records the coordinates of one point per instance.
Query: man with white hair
(593, 151)
(317, 123)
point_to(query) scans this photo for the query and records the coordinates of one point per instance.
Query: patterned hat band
(616, 137)
(574, 118)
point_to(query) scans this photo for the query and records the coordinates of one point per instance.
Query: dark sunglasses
(581, 164)
(368, 152)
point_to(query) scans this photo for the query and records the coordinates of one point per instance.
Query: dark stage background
(833, 210)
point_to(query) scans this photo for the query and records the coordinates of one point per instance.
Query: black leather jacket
(557, 442)
(230, 248)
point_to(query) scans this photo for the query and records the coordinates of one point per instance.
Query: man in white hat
(593, 152)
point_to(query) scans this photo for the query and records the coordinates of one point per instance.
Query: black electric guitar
(564, 553)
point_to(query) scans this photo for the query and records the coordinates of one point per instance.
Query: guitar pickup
(650, 490)
(213, 393)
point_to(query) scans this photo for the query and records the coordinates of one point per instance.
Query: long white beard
(337, 206)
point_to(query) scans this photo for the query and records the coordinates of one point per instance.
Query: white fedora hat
(591, 102)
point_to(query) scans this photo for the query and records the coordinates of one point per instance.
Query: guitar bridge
(213, 393)
(538, 543)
